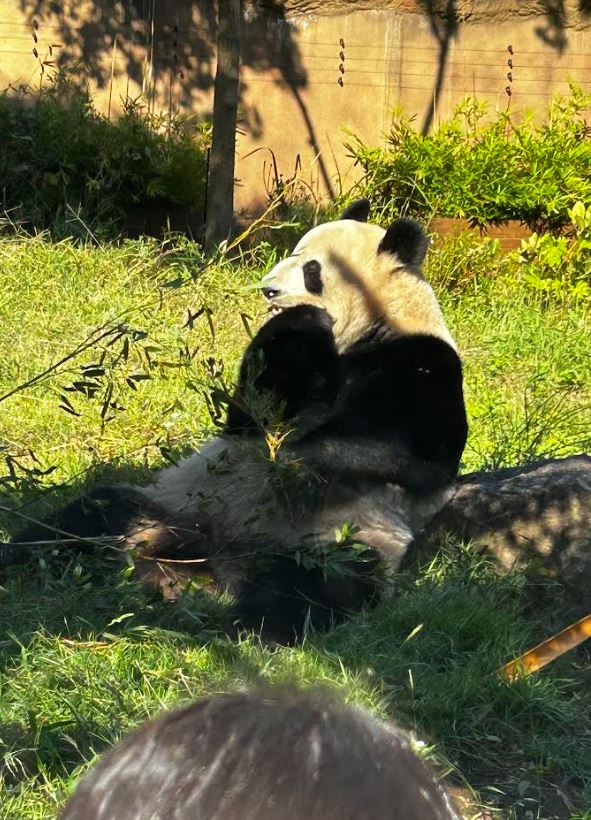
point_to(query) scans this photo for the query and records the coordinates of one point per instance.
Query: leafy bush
(458, 264)
(62, 164)
(557, 265)
(485, 170)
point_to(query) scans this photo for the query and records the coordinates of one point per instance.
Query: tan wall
(394, 54)
(160, 48)
(393, 59)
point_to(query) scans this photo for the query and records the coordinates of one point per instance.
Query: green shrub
(557, 265)
(482, 169)
(67, 168)
(458, 264)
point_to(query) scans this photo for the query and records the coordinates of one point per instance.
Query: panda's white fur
(230, 484)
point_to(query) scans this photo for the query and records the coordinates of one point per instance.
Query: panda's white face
(319, 260)
(340, 266)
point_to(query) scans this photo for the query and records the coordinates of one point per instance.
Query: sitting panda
(342, 439)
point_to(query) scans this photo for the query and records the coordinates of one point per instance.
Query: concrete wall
(310, 68)
(160, 48)
(425, 64)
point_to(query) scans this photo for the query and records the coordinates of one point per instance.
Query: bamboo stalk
(547, 651)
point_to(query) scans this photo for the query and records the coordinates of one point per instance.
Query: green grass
(85, 654)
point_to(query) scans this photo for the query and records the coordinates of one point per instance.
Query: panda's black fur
(299, 367)
(377, 428)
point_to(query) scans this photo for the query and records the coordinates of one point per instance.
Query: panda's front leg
(291, 364)
(400, 417)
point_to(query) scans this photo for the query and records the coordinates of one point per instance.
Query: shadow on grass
(90, 653)
(433, 656)
(428, 658)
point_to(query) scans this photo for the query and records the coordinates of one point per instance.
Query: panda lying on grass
(342, 441)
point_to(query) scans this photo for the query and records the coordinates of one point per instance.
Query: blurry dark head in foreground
(261, 756)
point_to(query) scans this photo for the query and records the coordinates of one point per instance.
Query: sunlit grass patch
(85, 653)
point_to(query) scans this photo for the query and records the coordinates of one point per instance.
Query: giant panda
(342, 439)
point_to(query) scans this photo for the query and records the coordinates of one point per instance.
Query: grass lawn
(85, 654)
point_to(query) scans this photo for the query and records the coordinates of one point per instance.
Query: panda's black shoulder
(421, 349)
(416, 355)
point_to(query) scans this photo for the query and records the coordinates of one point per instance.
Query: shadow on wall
(445, 20)
(160, 40)
(556, 11)
(169, 48)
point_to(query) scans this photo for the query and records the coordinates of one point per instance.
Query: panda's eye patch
(313, 276)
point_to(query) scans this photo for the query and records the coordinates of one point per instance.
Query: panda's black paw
(300, 318)
(292, 362)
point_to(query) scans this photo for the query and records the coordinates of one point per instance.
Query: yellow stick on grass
(548, 650)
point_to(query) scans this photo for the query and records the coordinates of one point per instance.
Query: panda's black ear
(358, 210)
(406, 239)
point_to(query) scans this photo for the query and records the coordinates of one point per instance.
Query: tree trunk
(220, 181)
